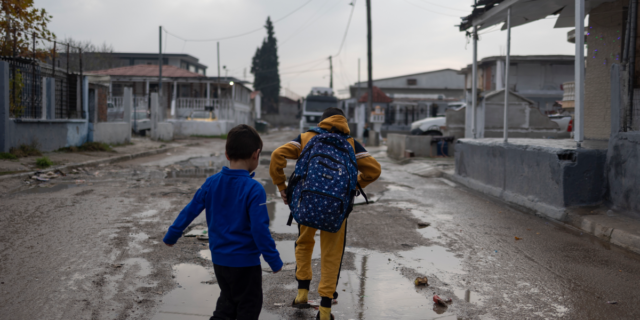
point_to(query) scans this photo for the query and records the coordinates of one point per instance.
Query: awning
(487, 13)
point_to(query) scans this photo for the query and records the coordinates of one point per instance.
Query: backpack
(322, 188)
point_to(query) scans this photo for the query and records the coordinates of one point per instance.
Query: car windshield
(139, 115)
(200, 115)
(318, 106)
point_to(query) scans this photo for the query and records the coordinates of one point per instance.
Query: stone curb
(94, 162)
(595, 225)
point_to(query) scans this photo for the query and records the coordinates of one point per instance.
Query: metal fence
(28, 71)
(25, 87)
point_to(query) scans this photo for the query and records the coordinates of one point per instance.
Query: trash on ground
(40, 178)
(196, 232)
(79, 181)
(612, 302)
(203, 237)
(518, 238)
(118, 265)
(422, 225)
(421, 281)
(441, 300)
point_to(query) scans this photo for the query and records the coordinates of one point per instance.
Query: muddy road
(89, 246)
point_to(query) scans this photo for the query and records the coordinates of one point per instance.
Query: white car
(564, 122)
(428, 126)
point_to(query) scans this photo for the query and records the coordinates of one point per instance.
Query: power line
(423, 8)
(437, 5)
(309, 22)
(353, 7)
(238, 35)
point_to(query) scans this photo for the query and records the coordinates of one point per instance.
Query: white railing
(138, 101)
(224, 108)
(569, 91)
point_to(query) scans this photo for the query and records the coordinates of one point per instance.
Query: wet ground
(88, 246)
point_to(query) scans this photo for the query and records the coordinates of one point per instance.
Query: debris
(422, 225)
(209, 282)
(203, 237)
(279, 304)
(612, 302)
(441, 301)
(421, 281)
(406, 245)
(40, 178)
(196, 232)
(60, 173)
(518, 238)
(118, 265)
(79, 181)
(50, 175)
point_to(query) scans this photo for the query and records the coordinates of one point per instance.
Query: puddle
(432, 260)
(468, 296)
(278, 217)
(376, 290)
(192, 299)
(285, 247)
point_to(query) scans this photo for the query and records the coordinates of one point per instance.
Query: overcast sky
(409, 36)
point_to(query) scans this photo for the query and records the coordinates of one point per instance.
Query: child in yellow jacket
(331, 244)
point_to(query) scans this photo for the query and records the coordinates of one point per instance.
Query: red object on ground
(570, 126)
(441, 301)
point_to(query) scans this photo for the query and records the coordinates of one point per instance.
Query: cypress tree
(264, 67)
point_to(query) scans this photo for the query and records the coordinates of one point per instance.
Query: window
(412, 82)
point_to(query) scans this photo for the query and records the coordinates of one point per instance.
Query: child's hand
(283, 194)
(277, 271)
(169, 245)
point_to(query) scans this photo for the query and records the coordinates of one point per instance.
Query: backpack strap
(361, 192)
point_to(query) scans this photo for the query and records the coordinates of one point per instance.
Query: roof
(378, 96)
(558, 58)
(149, 70)
(487, 13)
(407, 75)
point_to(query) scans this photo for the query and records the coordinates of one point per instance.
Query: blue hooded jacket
(237, 217)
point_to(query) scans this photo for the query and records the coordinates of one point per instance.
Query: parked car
(565, 122)
(433, 126)
(140, 122)
(201, 116)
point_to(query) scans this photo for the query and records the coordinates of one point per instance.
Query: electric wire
(242, 34)
(441, 6)
(436, 12)
(309, 22)
(353, 7)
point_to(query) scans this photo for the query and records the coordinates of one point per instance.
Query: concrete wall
(623, 176)
(543, 175)
(420, 145)
(48, 134)
(164, 131)
(184, 128)
(606, 34)
(112, 132)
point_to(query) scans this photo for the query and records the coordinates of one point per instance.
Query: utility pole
(219, 97)
(330, 73)
(160, 73)
(358, 90)
(369, 62)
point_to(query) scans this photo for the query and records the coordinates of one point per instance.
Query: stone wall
(604, 47)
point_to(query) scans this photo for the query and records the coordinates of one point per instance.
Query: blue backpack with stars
(322, 188)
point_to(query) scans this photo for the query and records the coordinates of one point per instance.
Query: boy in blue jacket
(238, 227)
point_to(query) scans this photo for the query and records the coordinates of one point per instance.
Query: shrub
(26, 150)
(44, 162)
(7, 156)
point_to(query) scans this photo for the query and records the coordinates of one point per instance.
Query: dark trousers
(240, 293)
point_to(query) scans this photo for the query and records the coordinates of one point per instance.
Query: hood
(337, 121)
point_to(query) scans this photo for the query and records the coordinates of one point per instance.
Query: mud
(94, 250)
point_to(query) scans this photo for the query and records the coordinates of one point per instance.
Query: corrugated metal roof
(146, 70)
